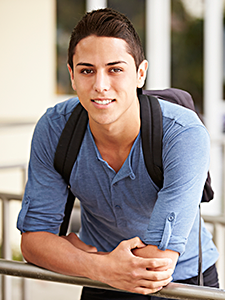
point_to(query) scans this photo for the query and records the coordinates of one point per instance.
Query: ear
(71, 77)
(142, 72)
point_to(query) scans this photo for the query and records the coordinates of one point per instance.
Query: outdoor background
(34, 76)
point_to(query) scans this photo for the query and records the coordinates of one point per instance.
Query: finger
(75, 241)
(72, 237)
(146, 291)
(158, 275)
(154, 263)
(91, 249)
(148, 287)
(150, 284)
(133, 243)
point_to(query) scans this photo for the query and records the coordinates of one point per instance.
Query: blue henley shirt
(122, 205)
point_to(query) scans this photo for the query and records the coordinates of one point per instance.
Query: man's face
(106, 79)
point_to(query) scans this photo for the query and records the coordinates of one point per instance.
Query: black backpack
(151, 133)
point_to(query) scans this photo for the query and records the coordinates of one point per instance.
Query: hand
(76, 242)
(151, 251)
(123, 270)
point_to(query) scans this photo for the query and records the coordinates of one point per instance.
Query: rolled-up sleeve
(46, 192)
(186, 162)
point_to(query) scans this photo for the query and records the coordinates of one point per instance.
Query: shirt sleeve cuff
(27, 222)
(165, 239)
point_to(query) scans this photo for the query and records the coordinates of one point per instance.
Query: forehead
(102, 48)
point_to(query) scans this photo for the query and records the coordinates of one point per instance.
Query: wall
(27, 80)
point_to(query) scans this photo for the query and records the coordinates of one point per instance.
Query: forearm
(119, 268)
(56, 253)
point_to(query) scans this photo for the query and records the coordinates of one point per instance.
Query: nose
(101, 83)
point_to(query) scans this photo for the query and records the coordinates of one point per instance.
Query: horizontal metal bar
(214, 219)
(8, 197)
(13, 166)
(219, 140)
(16, 123)
(172, 290)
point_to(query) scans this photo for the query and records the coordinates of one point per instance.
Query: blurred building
(33, 47)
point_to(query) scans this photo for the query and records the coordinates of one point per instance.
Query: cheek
(128, 83)
(82, 85)
(74, 86)
(131, 84)
(73, 83)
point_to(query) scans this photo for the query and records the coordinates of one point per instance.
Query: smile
(103, 102)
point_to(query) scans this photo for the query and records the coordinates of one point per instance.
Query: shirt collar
(126, 170)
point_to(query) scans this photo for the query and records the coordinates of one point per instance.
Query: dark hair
(108, 23)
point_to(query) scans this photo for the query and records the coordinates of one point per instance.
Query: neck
(117, 134)
(114, 141)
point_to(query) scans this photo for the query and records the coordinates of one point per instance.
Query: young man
(139, 234)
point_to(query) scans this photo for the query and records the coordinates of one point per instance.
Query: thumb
(134, 243)
(91, 248)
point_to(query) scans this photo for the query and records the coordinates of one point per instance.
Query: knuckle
(134, 275)
(146, 292)
(134, 264)
(143, 292)
(136, 239)
(123, 243)
(154, 264)
(72, 236)
(156, 276)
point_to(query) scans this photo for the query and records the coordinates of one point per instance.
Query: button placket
(119, 215)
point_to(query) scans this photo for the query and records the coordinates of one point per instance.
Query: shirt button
(117, 206)
(171, 217)
(132, 176)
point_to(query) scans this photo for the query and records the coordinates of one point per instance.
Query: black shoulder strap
(152, 149)
(66, 154)
(70, 142)
(151, 134)
(182, 98)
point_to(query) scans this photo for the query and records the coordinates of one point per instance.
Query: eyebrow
(109, 64)
(84, 64)
(116, 63)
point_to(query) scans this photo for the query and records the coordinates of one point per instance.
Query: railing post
(213, 93)
(158, 43)
(25, 289)
(6, 249)
(6, 286)
(223, 171)
(25, 284)
(95, 4)
(219, 241)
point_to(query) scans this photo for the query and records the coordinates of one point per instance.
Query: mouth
(103, 101)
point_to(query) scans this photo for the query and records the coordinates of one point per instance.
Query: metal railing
(217, 229)
(25, 270)
(6, 286)
(172, 290)
(6, 249)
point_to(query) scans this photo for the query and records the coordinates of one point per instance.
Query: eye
(87, 71)
(115, 70)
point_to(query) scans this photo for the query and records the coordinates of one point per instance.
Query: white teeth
(104, 102)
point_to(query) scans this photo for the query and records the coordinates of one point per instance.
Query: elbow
(24, 246)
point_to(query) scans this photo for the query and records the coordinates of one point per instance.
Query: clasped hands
(125, 269)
